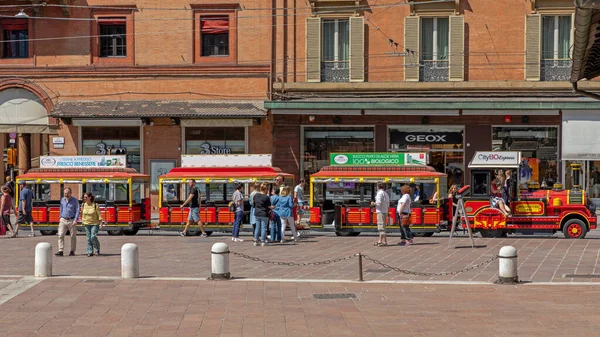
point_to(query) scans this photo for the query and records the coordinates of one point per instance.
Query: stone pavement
(540, 259)
(92, 307)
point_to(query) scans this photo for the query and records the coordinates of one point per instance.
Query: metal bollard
(507, 265)
(220, 262)
(130, 261)
(43, 260)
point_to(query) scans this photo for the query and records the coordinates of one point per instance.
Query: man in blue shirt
(69, 214)
(25, 208)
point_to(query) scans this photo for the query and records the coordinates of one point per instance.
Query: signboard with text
(377, 159)
(508, 159)
(83, 162)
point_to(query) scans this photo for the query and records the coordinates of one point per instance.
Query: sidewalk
(69, 307)
(540, 260)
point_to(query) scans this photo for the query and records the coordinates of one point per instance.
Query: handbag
(406, 221)
(231, 206)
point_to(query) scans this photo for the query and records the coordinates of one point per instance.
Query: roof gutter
(583, 20)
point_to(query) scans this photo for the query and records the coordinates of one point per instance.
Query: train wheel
(48, 232)
(130, 232)
(338, 233)
(423, 234)
(493, 233)
(574, 229)
(115, 232)
(208, 233)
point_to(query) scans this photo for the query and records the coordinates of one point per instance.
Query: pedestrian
(194, 216)
(285, 209)
(69, 214)
(279, 183)
(6, 205)
(403, 213)
(253, 190)
(91, 219)
(262, 204)
(299, 198)
(25, 208)
(11, 186)
(275, 218)
(382, 209)
(238, 201)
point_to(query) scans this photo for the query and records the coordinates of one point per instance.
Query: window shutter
(313, 49)
(457, 48)
(357, 49)
(532, 47)
(571, 48)
(411, 44)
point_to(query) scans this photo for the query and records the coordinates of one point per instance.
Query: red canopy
(225, 172)
(14, 24)
(214, 25)
(89, 173)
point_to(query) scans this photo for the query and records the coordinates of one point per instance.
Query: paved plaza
(173, 298)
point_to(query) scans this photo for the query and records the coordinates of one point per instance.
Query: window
(335, 41)
(556, 48)
(113, 38)
(215, 140)
(15, 38)
(116, 141)
(435, 34)
(215, 35)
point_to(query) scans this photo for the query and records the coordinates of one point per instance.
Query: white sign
(227, 160)
(82, 161)
(58, 140)
(208, 148)
(496, 159)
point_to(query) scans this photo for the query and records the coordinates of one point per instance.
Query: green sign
(377, 159)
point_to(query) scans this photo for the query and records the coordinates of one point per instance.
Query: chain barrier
(292, 264)
(416, 273)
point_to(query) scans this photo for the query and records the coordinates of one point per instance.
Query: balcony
(335, 71)
(434, 71)
(555, 70)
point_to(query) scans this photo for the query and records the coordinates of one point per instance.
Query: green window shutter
(357, 49)
(457, 48)
(313, 49)
(411, 43)
(532, 47)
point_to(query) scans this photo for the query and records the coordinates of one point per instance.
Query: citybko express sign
(376, 159)
(82, 161)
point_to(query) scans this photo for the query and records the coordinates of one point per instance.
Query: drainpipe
(585, 93)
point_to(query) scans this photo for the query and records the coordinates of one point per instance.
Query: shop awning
(23, 112)
(580, 135)
(174, 109)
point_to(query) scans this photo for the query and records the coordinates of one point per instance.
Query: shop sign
(82, 161)
(496, 158)
(102, 149)
(399, 137)
(377, 159)
(58, 142)
(207, 148)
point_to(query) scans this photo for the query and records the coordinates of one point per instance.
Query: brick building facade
(447, 78)
(151, 82)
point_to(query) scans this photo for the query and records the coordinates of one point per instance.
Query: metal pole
(360, 269)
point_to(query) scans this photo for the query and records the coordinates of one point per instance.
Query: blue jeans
(261, 228)
(276, 229)
(237, 223)
(92, 241)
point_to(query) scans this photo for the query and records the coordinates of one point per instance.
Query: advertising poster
(530, 170)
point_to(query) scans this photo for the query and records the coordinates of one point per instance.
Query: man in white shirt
(382, 206)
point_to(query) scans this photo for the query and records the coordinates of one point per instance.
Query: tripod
(460, 214)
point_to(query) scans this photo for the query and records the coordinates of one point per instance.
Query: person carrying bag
(403, 212)
(91, 218)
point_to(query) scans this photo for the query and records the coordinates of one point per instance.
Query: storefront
(444, 145)
(319, 141)
(125, 140)
(539, 149)
(580, 145)
(215, 140)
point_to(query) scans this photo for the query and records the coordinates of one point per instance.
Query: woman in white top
(403, 212)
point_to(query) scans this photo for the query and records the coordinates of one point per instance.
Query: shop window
(215, 140)
(443, 144)
(113, 141)
(539, 150)
(216, 33)
(319, 142)
(15, 38)
(113, 38)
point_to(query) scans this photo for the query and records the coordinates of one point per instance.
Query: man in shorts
(25, 208)
(194, 215)
(382, 207)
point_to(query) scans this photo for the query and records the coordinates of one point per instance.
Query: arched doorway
(24, 114)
